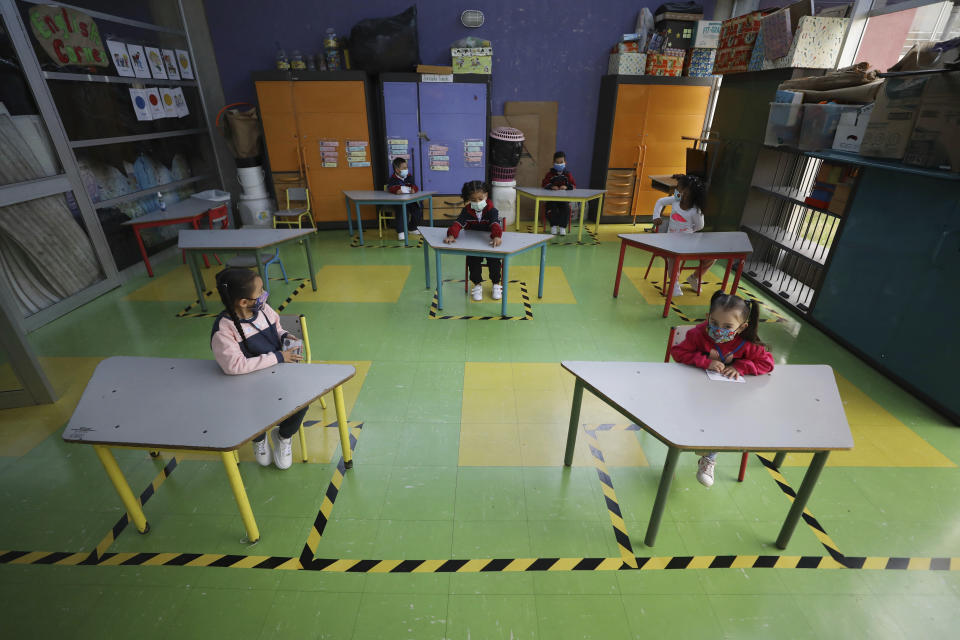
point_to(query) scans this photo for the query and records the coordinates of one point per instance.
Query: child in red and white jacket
(559, 178)
(728, 344)
(401, 182)
(479, 214)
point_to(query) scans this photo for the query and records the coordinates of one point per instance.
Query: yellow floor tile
(622, 449)
(174, 286)
(488, 375)
(488, 406)
(543, 445)
(543, 405)
(548, 376)
(489, 445)
(556, 289)
(653, 296)
(357, 283)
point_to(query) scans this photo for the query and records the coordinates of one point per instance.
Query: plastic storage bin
(783, 125)
(820, 122)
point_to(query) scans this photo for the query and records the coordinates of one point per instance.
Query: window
(893, 27)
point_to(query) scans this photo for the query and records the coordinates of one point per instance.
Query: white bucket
(253, 182)
(505, 199)
(256, 212)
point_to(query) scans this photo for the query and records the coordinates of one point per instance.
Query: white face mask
(403, 173)
(478, 206)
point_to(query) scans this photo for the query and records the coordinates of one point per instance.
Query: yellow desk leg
(516, 212)
(536, 212)
(583, 215)
(130, 503)
(240, 494)
(344, 428)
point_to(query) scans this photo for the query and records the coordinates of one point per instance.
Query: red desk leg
(736, 278)
(616, 284)
(726, 275)
(143, 250)
(674, 274)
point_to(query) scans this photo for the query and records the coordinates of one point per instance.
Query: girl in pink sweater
(727, 343)
(247, 337)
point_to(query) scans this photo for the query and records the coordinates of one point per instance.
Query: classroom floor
(458, 519)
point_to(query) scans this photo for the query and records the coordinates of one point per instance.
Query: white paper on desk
(406, 190)
(716, 375)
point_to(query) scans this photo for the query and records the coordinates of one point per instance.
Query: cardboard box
(677, 34)
(756, 58)
(472, 60)
(437, 69)
(628, 47)
(841, 196)
(708, 34)
(627, 64)
(935, 141)
(699, 63)
(665, 64)
(851, 129)
(816, 44)
(894, 114)
(669, 15)
(737, 39)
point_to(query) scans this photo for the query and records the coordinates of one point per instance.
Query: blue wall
(553, 51)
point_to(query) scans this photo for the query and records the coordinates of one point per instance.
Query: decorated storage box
(627, 64)
(677, 34)
(737, 39)
(816, 44)
(699, 63)
(777, 32)
(708, 34)
(472, 60)
(667, 63)
(756, 58)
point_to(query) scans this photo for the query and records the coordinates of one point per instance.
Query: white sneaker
(693, 281)
(563, 231)
(676, 291)
(497, 291)
(415, 232)
(282, 450)
(477, 292)
(401, 237)
(705, 471)
(553, 229)
(262, 453)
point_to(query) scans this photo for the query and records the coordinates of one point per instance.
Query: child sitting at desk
(686, 216)
(481, 215)
(728, 344)
(402, 182)
(247, 337)
(559, 179)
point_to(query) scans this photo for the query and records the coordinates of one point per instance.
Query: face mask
(560, 167)
(259, 302)
(676, 194)
(720, 334)
(404, 172)
(478, 206)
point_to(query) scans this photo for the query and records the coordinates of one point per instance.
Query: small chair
(546, 222)
(219, 219)
(248, 261)
(677, 335)
(663, 228)
(385, 213)
(294, 215)
(297, 327)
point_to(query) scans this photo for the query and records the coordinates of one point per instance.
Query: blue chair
(248, 261)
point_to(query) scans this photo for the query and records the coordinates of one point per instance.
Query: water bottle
(296, 62)
(160, 202)
(282, 63)
(331, 45)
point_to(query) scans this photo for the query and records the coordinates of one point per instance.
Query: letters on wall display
(68, 36)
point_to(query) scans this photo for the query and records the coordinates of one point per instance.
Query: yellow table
(580, 196)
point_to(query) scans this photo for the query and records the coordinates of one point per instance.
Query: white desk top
(360, 196)
(480, 240)
(796, 408)
(537, 192)
(237, 239)
(186, 208)
(735, 242)
(173, 403)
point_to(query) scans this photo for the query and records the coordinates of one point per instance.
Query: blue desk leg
(359, 223)
(431, 210)
(426, 262)
(439, 282)
(543, 265)
(349, 221)
(505, 281)
(406, 232)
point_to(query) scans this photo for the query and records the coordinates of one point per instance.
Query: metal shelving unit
(86, 77)
(141, 137)
(103, 204)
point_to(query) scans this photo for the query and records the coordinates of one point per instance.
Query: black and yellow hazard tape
(688, 317)
(591, 234)
(294, 294)
(434, 312)
(355, 243)
(189, 313)
(101, 549)
(610, 499)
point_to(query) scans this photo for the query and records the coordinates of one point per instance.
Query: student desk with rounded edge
(188, 210)
(581, 196)
(385, 198)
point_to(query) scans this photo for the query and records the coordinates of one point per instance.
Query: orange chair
(677, 335)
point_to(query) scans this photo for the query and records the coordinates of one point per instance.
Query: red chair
(219, 219)
(677, 335)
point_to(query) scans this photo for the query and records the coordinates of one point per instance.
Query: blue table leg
(439, 282)
(426, 262)
(406, 232)
(349, 221)
(431, 210)
(359, 223)
(505, 281)
(543, 264)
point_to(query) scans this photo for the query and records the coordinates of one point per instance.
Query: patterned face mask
(720, 334)
(260, 301)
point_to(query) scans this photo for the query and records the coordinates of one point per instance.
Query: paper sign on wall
(183, 62)
(138, 60)
(357, 155)
(155, 60)
(439, 157)
(473, 153)
(170, 63)
(397, 148)
(121, 58)
(152, 95)
(169, 103)
(140, 104)
(68, 36)
(329, 153)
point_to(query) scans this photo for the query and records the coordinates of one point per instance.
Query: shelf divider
(99, 142)
(103, 204)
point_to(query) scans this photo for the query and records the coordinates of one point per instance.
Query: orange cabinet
(641, 121)
(309, 112)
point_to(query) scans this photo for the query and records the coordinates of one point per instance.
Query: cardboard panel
(547, 143)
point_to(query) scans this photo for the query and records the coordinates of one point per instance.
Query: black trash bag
(386, 44)
(505, 153)
(679, 7)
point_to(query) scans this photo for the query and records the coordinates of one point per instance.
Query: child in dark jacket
(559, 179)
(402, 182)
(480, 215)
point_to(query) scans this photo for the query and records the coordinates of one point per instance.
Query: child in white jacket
(686, 216)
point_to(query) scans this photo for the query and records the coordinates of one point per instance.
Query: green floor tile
(419, 540)
(494, 617)
(848, 616)
(582, 617)
(46, 610)
(420, 493)
(485, 493)
(362, 492)
(146, 611)
(394, 616)
(310, 614)
(349, 538)
(491, 539)
(555, 493)
(673, 616)
(572, 539)
(760, 616)
(240, 614)
(429, 445)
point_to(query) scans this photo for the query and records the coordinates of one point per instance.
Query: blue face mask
(676, 194)
(259, 302)
(560, 167)
(720, 334)
(403, 173)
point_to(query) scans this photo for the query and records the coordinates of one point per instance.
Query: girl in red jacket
(727, 343)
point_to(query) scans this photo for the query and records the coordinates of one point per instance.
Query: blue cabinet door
(402, 123)
(453, 118)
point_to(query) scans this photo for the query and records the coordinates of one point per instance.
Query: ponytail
(753, 319)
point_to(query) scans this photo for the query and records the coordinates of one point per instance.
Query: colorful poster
(473, 153)
(155, 60)
(138, 59)
(120, 58)
(180, 102)
(170, 64)
(157, 112)
(68, 36)
(183, 62)
(329, 153)
(169, 103)
(140, 105)
(439, 157)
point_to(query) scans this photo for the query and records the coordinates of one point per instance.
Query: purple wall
(553, 51)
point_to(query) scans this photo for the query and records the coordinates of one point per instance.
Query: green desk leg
(778, 459)
(197, 278)
(313, 274)
(800, 502)
(574, 422)
(666, 479)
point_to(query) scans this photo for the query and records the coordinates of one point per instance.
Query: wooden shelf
(793, 196)
(103, 204)
(86, 77)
